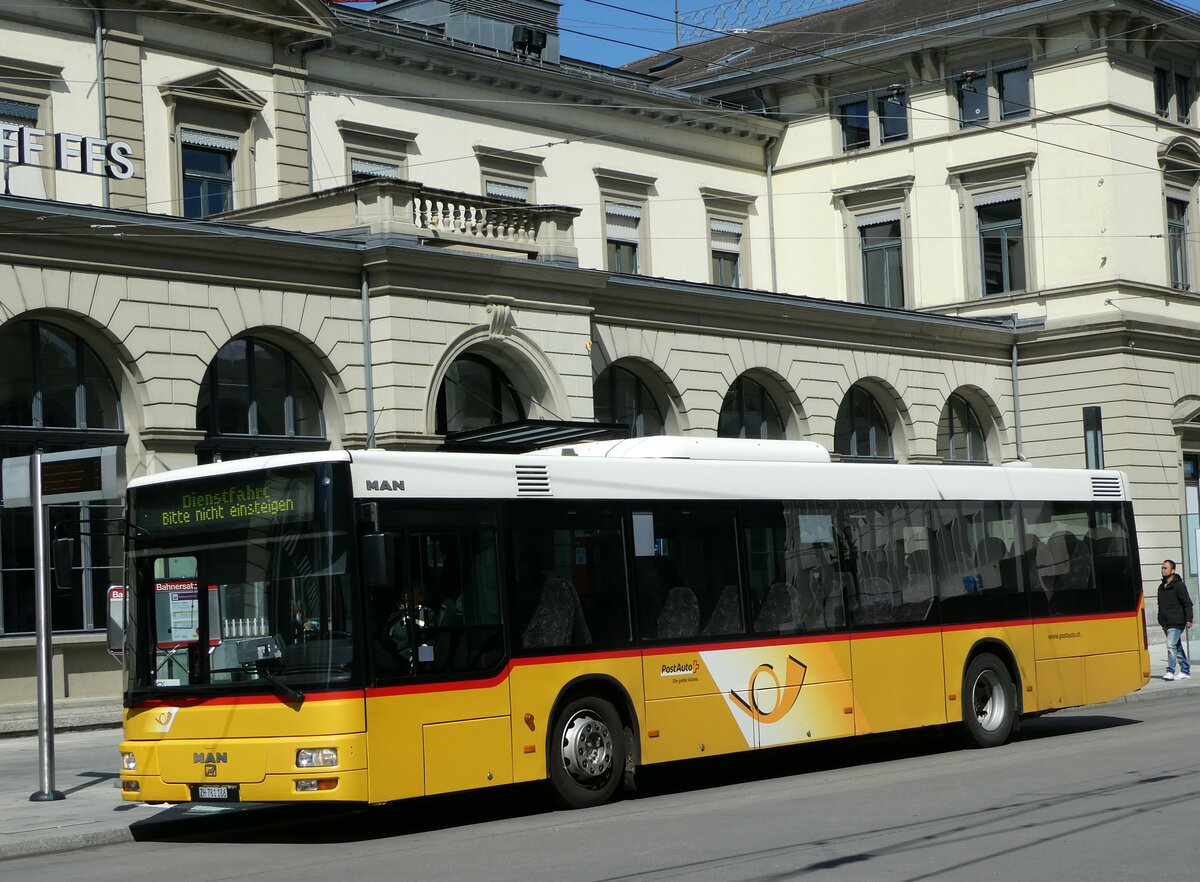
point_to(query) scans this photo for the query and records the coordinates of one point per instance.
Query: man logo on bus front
(787, 695)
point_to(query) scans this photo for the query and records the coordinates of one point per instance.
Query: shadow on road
(286, 824)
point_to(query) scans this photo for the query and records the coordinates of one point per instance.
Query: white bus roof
(659, 470)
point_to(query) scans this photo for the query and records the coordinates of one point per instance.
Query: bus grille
(533, 480)
(1106, 487)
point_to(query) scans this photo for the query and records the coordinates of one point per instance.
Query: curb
(65, 842)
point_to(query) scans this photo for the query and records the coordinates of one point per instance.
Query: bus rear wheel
(989, 701)
(587, 753)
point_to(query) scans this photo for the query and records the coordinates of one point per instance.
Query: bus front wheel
(989, 701)
(587, 753)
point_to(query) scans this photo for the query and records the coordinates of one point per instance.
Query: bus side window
(888, 545)
(686, 557)
(567, 575)
(1064, 581)
(980, 555)
(793, 571)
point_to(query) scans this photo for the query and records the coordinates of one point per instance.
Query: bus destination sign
(244, 501)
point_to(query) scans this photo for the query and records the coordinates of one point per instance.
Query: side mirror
(63, 552)
(379, 560)
(116, 620)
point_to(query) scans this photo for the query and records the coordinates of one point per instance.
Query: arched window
(256, 399)
(56, 395)
(620, 396)
(965, 440)
(475, 394)
(862, 430)
(749, 412)
(50, 379)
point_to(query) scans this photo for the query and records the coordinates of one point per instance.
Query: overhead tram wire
(896, 76)
(722, 111)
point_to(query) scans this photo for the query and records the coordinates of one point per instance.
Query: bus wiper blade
(283, 690)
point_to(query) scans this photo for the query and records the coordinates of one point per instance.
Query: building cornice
(606, 90)
(284, 20)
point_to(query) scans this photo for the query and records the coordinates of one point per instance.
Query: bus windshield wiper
(267, 668)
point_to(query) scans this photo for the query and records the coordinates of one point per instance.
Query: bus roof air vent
(722, 449)
(533, 480)
(1106, 486)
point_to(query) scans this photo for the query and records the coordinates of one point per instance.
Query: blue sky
(613, 32)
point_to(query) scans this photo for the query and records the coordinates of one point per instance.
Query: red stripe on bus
(648, 652)
(201, 701)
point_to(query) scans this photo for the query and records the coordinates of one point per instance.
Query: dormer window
(879, 116)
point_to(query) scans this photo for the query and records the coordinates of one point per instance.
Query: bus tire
(989, 701)
(587, 753)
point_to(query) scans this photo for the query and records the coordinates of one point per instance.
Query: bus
(370, 626)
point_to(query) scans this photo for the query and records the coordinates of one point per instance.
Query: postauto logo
(677, 669)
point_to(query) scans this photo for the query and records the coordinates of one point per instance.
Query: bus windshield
(243, 583)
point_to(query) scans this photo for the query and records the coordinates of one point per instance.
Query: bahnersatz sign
(23, 145)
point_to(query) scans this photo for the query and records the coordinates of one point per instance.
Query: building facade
(229, 230)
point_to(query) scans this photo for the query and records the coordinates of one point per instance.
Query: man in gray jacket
(1175, 616)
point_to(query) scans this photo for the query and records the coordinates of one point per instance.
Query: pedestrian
(1175, 616)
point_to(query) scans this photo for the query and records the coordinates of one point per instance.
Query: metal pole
(1016, 395)
(368, 381)
(45, 674)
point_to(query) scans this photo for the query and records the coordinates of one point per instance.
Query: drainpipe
(101, 92)
(311, 47)
(367, 379)
(769, 162)
(1016, 395)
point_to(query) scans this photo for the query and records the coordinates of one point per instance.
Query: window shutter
(505, 190)
(374, 169)
(1179, 194)
(621, 221)
(993, 197)
(725, 235)
(213, 140)
(21, 112)
(874, 218)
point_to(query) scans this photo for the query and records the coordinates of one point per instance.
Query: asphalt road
(1096, 794)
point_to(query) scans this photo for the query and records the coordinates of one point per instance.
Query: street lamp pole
(45, 673)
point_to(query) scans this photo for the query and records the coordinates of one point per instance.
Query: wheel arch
(602, 686)
(1004, 652)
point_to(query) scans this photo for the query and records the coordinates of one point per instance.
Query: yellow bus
(369, 626)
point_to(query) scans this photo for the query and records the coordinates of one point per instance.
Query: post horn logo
(787, 695)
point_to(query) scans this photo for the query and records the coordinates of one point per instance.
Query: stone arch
(119, 363)
(316, 364)
(783, 395)
(1186, 410)
(989, 415)
(666, 394)
(1180, 147)
(524, 363)
(895, 411)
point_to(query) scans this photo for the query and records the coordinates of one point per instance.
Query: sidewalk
(93, 813)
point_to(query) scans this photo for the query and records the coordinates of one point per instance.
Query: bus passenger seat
(726, 616)
(680, 614)
(558, 619)
(775, 614)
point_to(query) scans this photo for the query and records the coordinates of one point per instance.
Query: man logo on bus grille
(210, 771)
(787, 696)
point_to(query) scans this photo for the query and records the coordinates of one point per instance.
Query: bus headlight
(311, 758)
(128, 761)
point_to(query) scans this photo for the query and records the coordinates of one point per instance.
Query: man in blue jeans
(1175, 616)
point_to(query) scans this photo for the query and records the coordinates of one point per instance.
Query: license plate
(215, 792)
